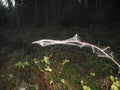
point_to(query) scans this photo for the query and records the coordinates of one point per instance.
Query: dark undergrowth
(31, 67)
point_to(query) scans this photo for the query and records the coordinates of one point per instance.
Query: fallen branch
(76, 41)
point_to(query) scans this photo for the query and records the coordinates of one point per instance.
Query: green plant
(86, 87)
(51, 73)
(58, 76)
(87, 81)
(115, 83)
(21, 65)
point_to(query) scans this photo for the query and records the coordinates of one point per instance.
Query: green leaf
(48, 69)
(36, 61)
(117, 83)
(114, 87)
(86, 88)
(46, 60)
(65, 61)
(112, 78)
(26, 63)
(92, 74)
(62, 81)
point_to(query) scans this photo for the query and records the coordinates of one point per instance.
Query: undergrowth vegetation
(30, 67)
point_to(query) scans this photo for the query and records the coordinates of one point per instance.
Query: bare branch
(101, 55)
(106, 48)
(93, 49)
(76, 41)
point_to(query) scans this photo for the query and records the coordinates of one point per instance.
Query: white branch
(106, 48)
(76, 41)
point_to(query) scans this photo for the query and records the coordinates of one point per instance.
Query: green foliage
(64, 75)
(86, 88)
(21, 64)
(60, 69)
(115, 83)
(51, 75)
(99, 65)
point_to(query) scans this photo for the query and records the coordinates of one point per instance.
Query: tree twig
(76, 41)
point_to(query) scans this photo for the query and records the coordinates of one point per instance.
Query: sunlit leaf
(117, 83)
(114, 87)
(62, 81)
(48, 69)
(65, 61)
(46, 60)
(86, 88)
(51, 81)
(36, 61)
(92, 74)
(112, 78)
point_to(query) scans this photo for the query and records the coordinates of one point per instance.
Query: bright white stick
(75, 41)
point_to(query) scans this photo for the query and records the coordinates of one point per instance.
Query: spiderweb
(71, 41)
(77, 41)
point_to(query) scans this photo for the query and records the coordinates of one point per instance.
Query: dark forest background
(27, 66)
(67, 13)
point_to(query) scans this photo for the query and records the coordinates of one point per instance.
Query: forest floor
(58, 67)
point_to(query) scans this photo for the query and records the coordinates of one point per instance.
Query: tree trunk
(53, 13)
(12, 15)
(46, 13)
(86, 3)
(36, 13)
